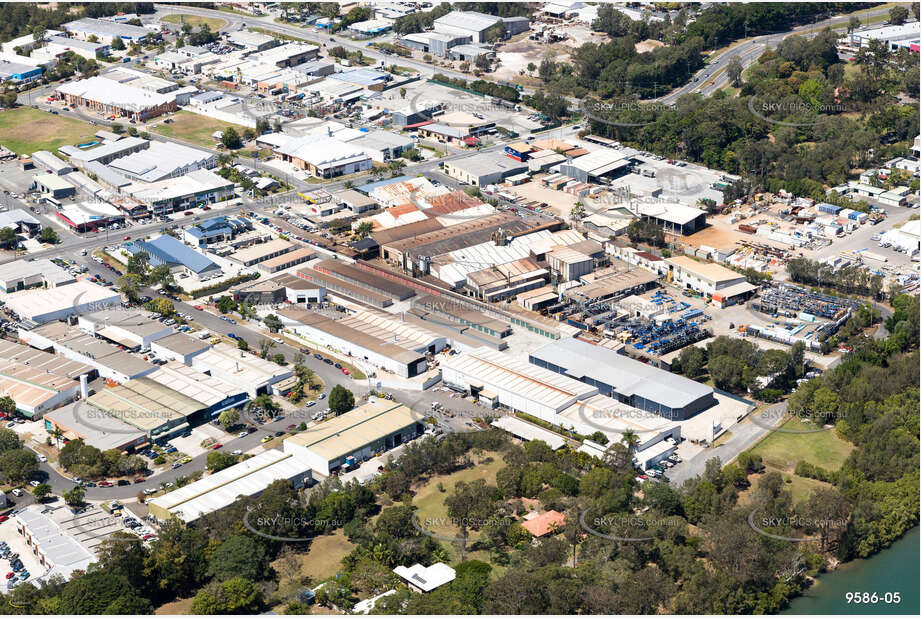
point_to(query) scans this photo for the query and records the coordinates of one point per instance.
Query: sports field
(25, 130)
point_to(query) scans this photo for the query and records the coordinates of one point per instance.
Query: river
(892, 570)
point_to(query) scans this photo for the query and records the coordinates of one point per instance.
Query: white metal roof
(426, 578)
(111, 92)
(529, 432)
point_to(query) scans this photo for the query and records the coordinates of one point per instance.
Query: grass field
(180, 607)
(782, 449)
(194, 128)
(325, 553)
(215, 23)
(800, 487)
(25, 130)
(432, 512)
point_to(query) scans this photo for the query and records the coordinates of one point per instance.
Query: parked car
(266, 438)
(34, 483)
(237, 452)
(216, 446)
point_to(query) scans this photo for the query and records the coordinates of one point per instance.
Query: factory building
(49, 304)
(484, 169)
(20, 274)
(477, 26)
(134, 329)
(111, 97)
(35, 391)
(243, 370)
(629, 381)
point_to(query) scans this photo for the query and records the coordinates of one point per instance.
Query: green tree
(265, 346)
(471, 505)
(240, 556)
(130, 286)
(364, 229)
(272, 322)
(139, 264)
(49, 236)
(231, 139)
(74, 496)
(161, 275)
(42, 491)
(242, 345)
(234, 596)
(218, 460)
(341, 400)
(226, 304)
(18, 464)
(229, 418)
(8, 407)
(117, 43)
(98, 592)
(898, 15)
(734, 72)
(8, 238)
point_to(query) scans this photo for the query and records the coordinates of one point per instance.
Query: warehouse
(484, 169)
(163, 160)
(284, 287)
(57, 303)
(160, 412)
(134, 329)
(181, 259)
(105, 153)
(110, 97)
(365, 279)
(179, 347)
(594, 166)
(72, 343)
(287, 55)
(506, 280)
(89, 216)
(212, 394)
(246, 371)
(251, 41)
(631, 382)
(568, 264)
(22, 274)
(215, 230)
(904, 36)
(709, 278)
(105, 30)
(384, 341)
(262, 252)
(514, 384)
(77, 421)
(18, 72)
(44, 361)
(287, 260)
(221, 489)
(59, 553)
(614, 419)
(20, 222)
(377, 426)
(478, 26)
(436, 43)
(35, 391)
(325, 157)
(59, 45)
(383, 146)
(611, 283)
(53, 185)
(341, 287)
(198, 188)
(675, 218)
(54, 165)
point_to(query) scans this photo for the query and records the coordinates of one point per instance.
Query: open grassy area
(800, 487)
(322, 559)
(215, 23)
(25, 130)
(194, 128)
(178, 607)
(782, 449)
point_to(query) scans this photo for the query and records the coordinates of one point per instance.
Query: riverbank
(893, 570)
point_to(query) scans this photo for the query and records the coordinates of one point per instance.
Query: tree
(691, 361)
(161, 275)
(99, 592)
(42, 491)
(239, 556)
(218, 460)
(49, 236)
(898, 15)
(341, 400)
(226, 304)
(734, 72)
(8, 407)
(139, 264)
(18, 464)
(364, 229)
(272, 322)
(130, 286)
(161, 305)
(853, 23)
(471, 505)
(263, 126)
(482, 62)
(74, 497)
(8, 238)
(229, 418)
(231, 139)
(117, 43)
(234, 596)
(249, 133)
(265, 346)
(242, 345)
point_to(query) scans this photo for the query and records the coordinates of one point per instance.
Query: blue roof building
(170, 251)
(218, 229)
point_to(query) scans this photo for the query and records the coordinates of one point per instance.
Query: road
(744, 435)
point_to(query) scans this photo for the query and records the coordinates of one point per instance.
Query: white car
(42, 458)
(277, 340)
(237, 452)
(34, 483)
(242, 434)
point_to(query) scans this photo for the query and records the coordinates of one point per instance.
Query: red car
(199, 307)
(290, 427)
(139, 479)
(216, 446)
(127, 237)
(105, 484)
(345, 371)
(3, 518)
(147, 537)
(10, 575)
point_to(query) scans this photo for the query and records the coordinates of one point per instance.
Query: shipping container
(829, 208)
(748, 229)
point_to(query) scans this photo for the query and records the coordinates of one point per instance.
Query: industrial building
(110, 97)
(57, 45)
(163, 160)
(199, 188)
(594, 166)
(105, 30)
(243, 370)
(57, 303)
(284, 287)
(106, 152)
(339, 286)
(43, 361)
(905, 36)
(181, 259)
(35, 391)
(379, 338)
(20, 222)
(629, 381)
(251, 256)
(18, 72)
(72, 343)
(179, 347)
(159, 411)
(500, 379)
(287, 55)
(364, 278)
(251, 41)
(134, 329)
(708, 278)
(215, 230)
(85, 217)
(21, 274)
(54, 165)
(324, 157)
(469, 23)
(214, 395)
(58, 552)
(78, 421)
(375, 427)
(221, 489)
(286, 260)
(53, 185)
(484, 169)
(673, 217)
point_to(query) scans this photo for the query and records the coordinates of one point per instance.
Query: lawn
(322, 559)
(194, 128)
(800, 487)
(179, 607)
(25, 130)
(215, 23)
(430, 501)
(783, 449)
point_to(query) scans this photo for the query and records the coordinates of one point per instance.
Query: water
(892, 570)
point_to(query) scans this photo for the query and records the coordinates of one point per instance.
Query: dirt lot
(718, 236)
(558, 202)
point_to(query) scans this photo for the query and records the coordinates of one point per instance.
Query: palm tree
(630, 440)
(265, 346)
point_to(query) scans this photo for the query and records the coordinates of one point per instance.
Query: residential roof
(548, 521)
(427, 578)
(626, 376)
(349, 432)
